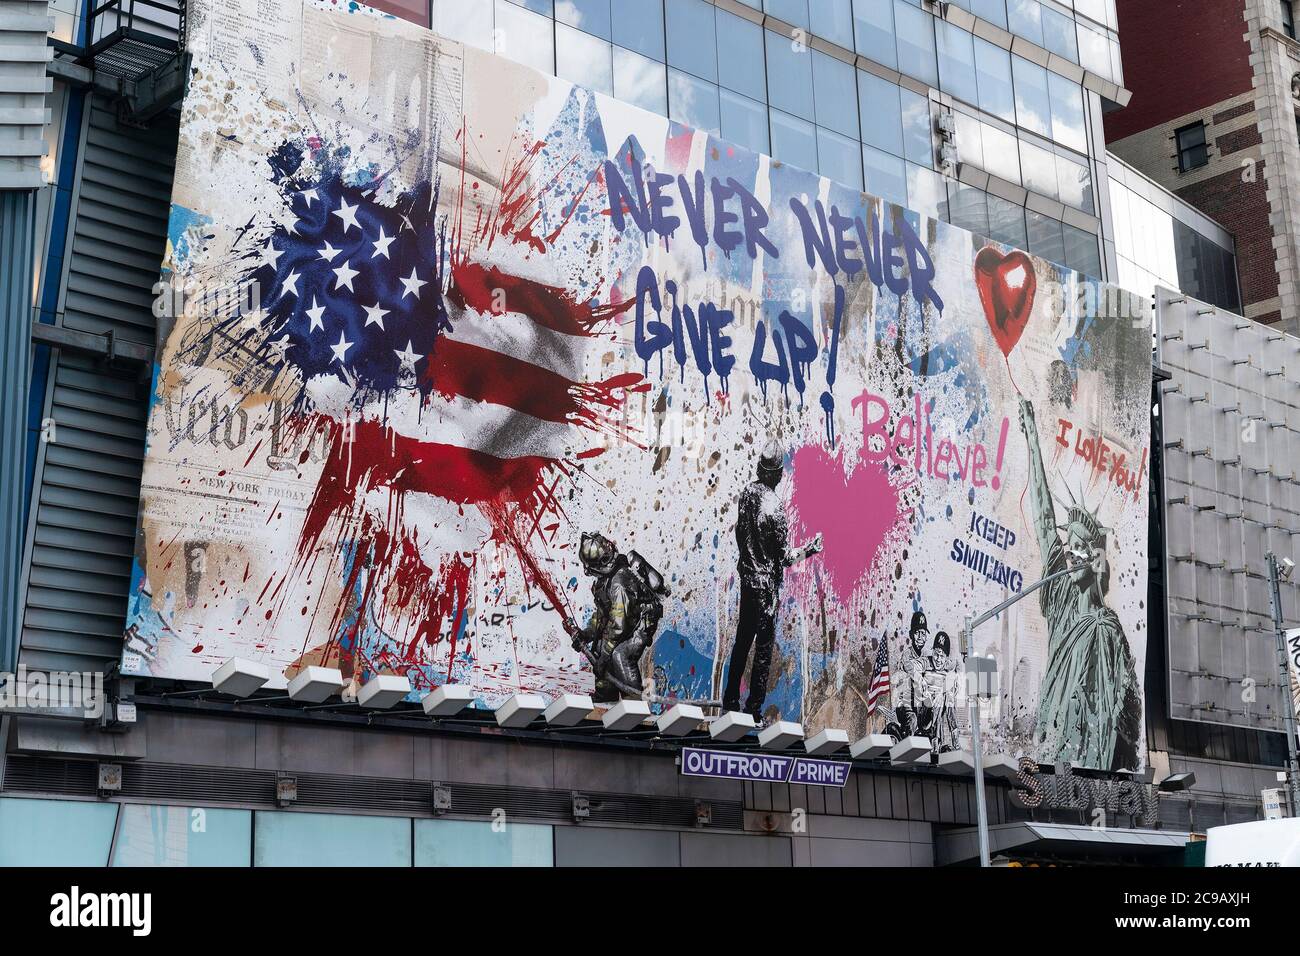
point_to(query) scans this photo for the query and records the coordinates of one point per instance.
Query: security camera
(1287, 567)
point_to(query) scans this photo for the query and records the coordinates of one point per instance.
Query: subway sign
(764, 768)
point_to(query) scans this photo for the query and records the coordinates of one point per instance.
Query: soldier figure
(627, 593)
(915, 713)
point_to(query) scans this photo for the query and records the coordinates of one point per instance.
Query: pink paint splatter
(855, 514)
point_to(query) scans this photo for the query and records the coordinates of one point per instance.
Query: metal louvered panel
(23, 88)
(88, 478)
(75, 778)
(330, 790)
(121, 225)
(85, 514)
(244, 787)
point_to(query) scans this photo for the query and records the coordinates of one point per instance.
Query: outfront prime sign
(764, 768)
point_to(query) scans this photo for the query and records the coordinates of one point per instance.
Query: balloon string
(1007, 359)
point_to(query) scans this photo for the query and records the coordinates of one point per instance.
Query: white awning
(962, 846)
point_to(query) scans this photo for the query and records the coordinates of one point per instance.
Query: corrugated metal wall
(23, 86)
(82, 529)
(17, 219)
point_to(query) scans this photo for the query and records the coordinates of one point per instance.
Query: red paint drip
(487, 289)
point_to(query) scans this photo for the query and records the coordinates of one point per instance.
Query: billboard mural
(476, 376)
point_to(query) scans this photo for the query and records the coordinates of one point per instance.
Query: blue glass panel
(693, 101)
(640, 81)
(994, 11)
(956, 62)
(584, 59)
(793, 12)
(468, 843)
(918, 142)
(469, 23)
(968, 208)
(1081, 252)
(926, 192)
(1007, 222)
(789, 75)
(916, 55)
(832, 19)
(1094, 51)
(1045, 237)
(835, 94)
(525, 37)
(740, 56)
(330, 839)
(55, 832)
(839, 157)
(1025, 18)
(639, 26)
(993, 75)
(882, 116)
(1033, 106)
(744, 121)
(691, 43)
(1068, 127)
(886, 175)
(183, 836)
(1075, 183)
(1001, 154)
(793, 140)
(1038, 169)
(589, 16)
(873, 31)
(1058, 35)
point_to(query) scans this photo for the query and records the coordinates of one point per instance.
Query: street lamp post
(1288, 711)
(968, 633)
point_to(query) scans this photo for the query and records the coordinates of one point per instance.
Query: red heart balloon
(1007, 285)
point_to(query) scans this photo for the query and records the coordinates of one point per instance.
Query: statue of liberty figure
(1089, 708)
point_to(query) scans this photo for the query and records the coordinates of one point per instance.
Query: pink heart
(854, 513)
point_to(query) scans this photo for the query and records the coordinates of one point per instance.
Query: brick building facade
(1213, 119)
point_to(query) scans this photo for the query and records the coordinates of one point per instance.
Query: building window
(1192, 151)
(1288, 18)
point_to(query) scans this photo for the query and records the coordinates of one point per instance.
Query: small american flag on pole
(879, 678)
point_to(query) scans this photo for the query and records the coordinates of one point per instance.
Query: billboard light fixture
(731, 726)
(520, 710)
(871, 747)
(383, 691)
(679, 720)
(957, 762)
(239, 677)
(1178, 782)
(829, 741)
(448, 700)
(625, 715)
(567, 710)
(910, 750)
(780, 734)
(1002, 767)
(315, 685)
